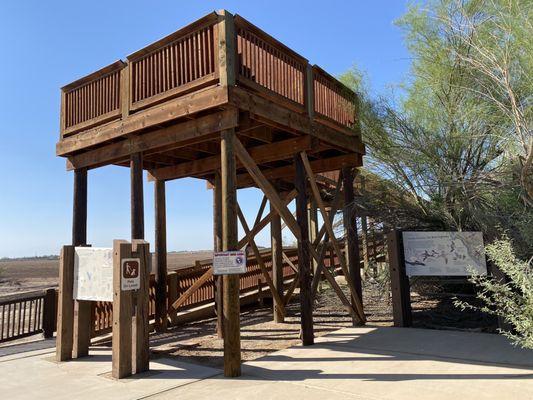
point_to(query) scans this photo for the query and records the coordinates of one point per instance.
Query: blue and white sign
(229, 262)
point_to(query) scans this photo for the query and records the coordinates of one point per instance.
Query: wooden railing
(179, 63)
(332, 99)
(188, 60)
(264, 62)
(183, 279)
(92, 100)
(27, 314)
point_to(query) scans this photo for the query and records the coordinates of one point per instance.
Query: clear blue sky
(47, 44)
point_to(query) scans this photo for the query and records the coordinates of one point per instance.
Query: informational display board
(229, 262)
(93, 274)
(444, 253)
(131, 279)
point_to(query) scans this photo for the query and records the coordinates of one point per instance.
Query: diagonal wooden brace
(259, 259)
(331, 233)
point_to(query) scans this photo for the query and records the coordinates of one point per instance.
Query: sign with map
(444, 253)
(93, 274)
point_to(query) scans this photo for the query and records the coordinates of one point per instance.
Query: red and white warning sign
(229, 262)
(130, 269)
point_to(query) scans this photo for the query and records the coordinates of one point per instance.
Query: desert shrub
(510, 299)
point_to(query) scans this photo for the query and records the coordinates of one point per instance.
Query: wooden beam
(313, 226)
(329, 227)
(401, 300)
(260, 154)
(269, 112)
(321, 165)
(192, 289)
(290, 290)
(232, 338)
(304, 260)
(267, 188)
(65, 316)
(226, 48)
(173, 109)
(137, 201)
(141, 320)
(258, 227)
(277, 298)
(160, 256)
(82, 309)
(276, 246)
(351, 240)
(123, 309)
(169, 138)
(217, 246)
(288, 261)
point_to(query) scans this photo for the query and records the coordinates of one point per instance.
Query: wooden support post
(217, 246)
(141, 321)
(277, 262)
(49, 313)
(122, 312)
(351, 242)
(401, 301)
(160, 257)
(304, 259)
(65, 317)
(232, 339)
(82, 309)
(226, 48)
(172, 297)
(137, 203)
(313, 227)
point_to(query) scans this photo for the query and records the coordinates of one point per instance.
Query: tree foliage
(454, 152)
(513, 300)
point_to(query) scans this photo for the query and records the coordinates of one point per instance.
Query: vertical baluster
(209, 49)
(172, 58)
(13, 322)
(2, 323)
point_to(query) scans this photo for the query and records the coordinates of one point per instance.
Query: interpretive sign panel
(229, 262)
(93, 274)
(444, 253)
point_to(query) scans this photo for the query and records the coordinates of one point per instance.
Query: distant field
(33, 274)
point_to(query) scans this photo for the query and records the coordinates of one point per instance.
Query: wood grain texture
(137, 196)
(65, 317)
(161, 275)
(232, 338)
(304, 259)
(122, 312)
(351, 239)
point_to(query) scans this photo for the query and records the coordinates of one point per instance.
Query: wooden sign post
(131, 351)
(129, 285)
(401, 299)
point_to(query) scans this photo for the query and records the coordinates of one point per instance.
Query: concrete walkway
(359, 363)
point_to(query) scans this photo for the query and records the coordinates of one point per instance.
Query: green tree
(449, 150)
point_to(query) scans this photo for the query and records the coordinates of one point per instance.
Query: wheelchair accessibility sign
(229, 262)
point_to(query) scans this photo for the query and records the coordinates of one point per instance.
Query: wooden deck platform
(170, 101)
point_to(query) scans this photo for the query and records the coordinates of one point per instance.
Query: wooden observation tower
(223, 101)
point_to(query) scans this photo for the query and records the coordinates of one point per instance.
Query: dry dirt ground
(197, 342)
(35, 274)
